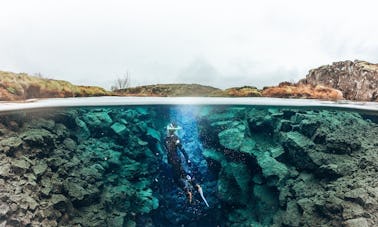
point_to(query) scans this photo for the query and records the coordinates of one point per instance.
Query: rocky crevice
(264, 167)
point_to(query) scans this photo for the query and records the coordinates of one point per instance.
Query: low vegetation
(20, 86)
(166, 90)
(355, 80)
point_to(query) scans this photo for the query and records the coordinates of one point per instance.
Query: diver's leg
(185, 185)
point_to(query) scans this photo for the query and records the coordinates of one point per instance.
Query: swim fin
(202, 196)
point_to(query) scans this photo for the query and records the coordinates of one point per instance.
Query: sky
(217, 43)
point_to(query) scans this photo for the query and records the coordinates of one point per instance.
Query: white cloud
(221, 43)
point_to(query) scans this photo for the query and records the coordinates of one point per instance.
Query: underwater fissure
(257, 166)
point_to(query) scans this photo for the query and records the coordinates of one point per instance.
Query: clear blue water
(259, 165)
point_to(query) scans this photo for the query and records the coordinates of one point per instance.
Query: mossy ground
(23, 86)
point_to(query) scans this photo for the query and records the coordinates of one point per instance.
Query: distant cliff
(21, 86)
(357, 80)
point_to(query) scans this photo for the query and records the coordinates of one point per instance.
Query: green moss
(11, 90)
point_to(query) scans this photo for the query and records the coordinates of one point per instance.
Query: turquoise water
(256, 165)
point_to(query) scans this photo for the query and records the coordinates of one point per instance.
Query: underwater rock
(114, 159)
(118, 197)
(227, 114)
(260, 121)
(147, 201)
(116, 221)
(230, 174)
(41, 123)
(80, 195)
(120, 129)
(360, 196)
(57, 199)
(40, 168)
(342, 143)
(61, 131)
(9, 145)
(32, 204)
(4, 209)
(153, 134)
(357, 222)
(5, 170)
(308, 127)
(130, 223)
(272, 168)
(249, 146)
(232, 138)
(21, 164)
(70, 144)
(267, 203)
(38, 137)
(298, 148)
(82, 132)
(97, 119)
(215, 155)
(352, 210)
(285, 126)
(291, 215)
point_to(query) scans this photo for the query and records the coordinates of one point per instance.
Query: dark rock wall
(293, 167)
(81, 167)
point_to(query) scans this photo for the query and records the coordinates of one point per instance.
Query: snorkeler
(172, 145)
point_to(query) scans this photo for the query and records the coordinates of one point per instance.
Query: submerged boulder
(10, 145)
(341, 143)
(232, 138)
(234, 183)
(153, 134)
(271, 168)
(38, 137)
(298, 149)
(97, 121)
(120, 129)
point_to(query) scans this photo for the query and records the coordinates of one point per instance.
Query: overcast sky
(218, 43)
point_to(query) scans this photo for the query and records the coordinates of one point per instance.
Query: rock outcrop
(357, 80)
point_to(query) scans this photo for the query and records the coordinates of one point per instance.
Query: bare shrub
(121, 83)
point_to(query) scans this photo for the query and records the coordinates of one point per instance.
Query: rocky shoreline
(350, 80)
